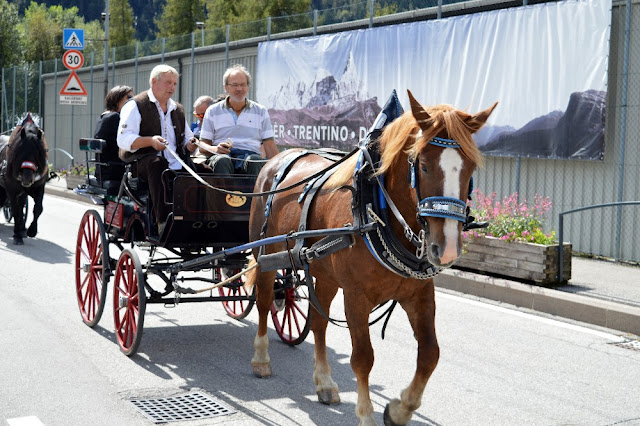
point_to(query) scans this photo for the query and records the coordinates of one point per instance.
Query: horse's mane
(401, 136)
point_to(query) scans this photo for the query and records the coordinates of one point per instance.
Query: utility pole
(106, 47)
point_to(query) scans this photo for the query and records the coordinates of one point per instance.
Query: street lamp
(200, 26)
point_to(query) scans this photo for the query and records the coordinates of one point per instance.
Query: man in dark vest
(149, 123)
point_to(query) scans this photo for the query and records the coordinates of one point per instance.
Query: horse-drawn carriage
(203, 241)
(379, 223)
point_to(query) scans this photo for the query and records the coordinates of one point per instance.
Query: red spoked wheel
(236, 309)
(92, 258)
(129, 302)
(291, 308)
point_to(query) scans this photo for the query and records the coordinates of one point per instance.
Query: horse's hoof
(387, 418)
(262, 370)
(18, 241)
(32, 232)
(329, 396)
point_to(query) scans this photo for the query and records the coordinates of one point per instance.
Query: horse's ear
(475, 122)
(23, 133)
(418, 111)
(39, 134)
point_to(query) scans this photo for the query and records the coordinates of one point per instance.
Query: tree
(42, 35)
(121, 29)
(179, 17)
(9, 37)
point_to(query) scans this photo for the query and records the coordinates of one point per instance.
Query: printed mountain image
(578, 133)
(323, 113)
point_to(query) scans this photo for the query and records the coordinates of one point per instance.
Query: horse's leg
(421, 312)
(326, 388)
(261, 362)
(37, 211)
(357, 312)
(17, 207)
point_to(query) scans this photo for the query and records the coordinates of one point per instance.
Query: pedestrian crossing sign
(73, 38)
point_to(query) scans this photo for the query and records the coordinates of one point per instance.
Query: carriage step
(297, 259)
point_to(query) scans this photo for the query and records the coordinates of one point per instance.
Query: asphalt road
(498, 365)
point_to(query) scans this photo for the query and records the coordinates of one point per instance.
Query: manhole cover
(634, 345)
(188, 406)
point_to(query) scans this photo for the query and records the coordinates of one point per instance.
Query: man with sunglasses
(238, 129)
(199, 107)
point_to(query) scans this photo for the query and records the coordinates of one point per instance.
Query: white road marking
(534, 317)
(25, 421)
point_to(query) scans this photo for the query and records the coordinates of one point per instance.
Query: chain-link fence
(202, 57)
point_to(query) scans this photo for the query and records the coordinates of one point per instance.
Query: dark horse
(24, 172)
(425, 160)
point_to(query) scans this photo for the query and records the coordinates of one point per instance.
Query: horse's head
(442, 157)
(27, 158)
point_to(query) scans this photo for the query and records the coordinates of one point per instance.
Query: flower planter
(74, 180)
(524, 261)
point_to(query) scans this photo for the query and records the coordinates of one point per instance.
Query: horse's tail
(251, 275)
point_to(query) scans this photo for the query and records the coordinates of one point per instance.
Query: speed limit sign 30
(73, 59)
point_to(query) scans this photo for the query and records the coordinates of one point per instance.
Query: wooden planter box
(74, 180)
(524, 261)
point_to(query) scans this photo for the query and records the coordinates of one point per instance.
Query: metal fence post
(371, 13)
(623, 124)
(2, 104)
(226, 50)
(55, 109)
(40, 91)
(315, 21)
(13, 108)
(164, 44)
(268, 28)
(135, 89)
(26, 90)
(113, 67)
(193, 65)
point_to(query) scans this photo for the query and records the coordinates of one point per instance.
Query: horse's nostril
(435, 251)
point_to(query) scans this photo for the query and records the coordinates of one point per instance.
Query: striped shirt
(246, 131)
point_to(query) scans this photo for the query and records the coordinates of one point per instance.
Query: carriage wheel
(92, 254)
(236, 309)
(291, 308)
(8, 216)
(129, 301)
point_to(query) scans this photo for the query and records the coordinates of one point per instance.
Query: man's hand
(158, 143)
(224, 147)
(191, 145)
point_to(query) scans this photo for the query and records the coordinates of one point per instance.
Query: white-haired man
(149, 123)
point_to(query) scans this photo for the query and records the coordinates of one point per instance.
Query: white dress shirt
(129, 128)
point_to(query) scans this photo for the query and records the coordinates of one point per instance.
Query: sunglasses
(198, 115)
(129, 96)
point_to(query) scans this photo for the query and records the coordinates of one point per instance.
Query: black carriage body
(205, 216)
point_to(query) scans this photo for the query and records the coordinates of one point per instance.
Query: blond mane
(400, 137)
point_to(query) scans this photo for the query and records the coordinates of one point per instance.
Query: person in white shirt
(149, 123)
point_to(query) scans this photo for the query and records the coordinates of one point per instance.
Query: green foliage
(121, 29)
(9, 37)
(179, 17)
(510, 220)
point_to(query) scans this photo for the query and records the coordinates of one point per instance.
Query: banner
(546, 65)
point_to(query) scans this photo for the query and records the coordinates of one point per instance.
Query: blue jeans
(240, 161)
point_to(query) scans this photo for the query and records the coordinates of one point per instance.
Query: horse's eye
(424, 169)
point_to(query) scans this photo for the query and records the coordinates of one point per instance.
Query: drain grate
(634, 345)
(188, 406)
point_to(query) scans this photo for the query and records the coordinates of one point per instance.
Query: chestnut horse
(432, 148)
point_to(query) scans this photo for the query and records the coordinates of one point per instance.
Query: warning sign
(73, 86)
(73, 92)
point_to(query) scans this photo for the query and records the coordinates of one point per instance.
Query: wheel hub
(123, 301)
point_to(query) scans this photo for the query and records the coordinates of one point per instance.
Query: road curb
(59, 191)
(585, 309)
